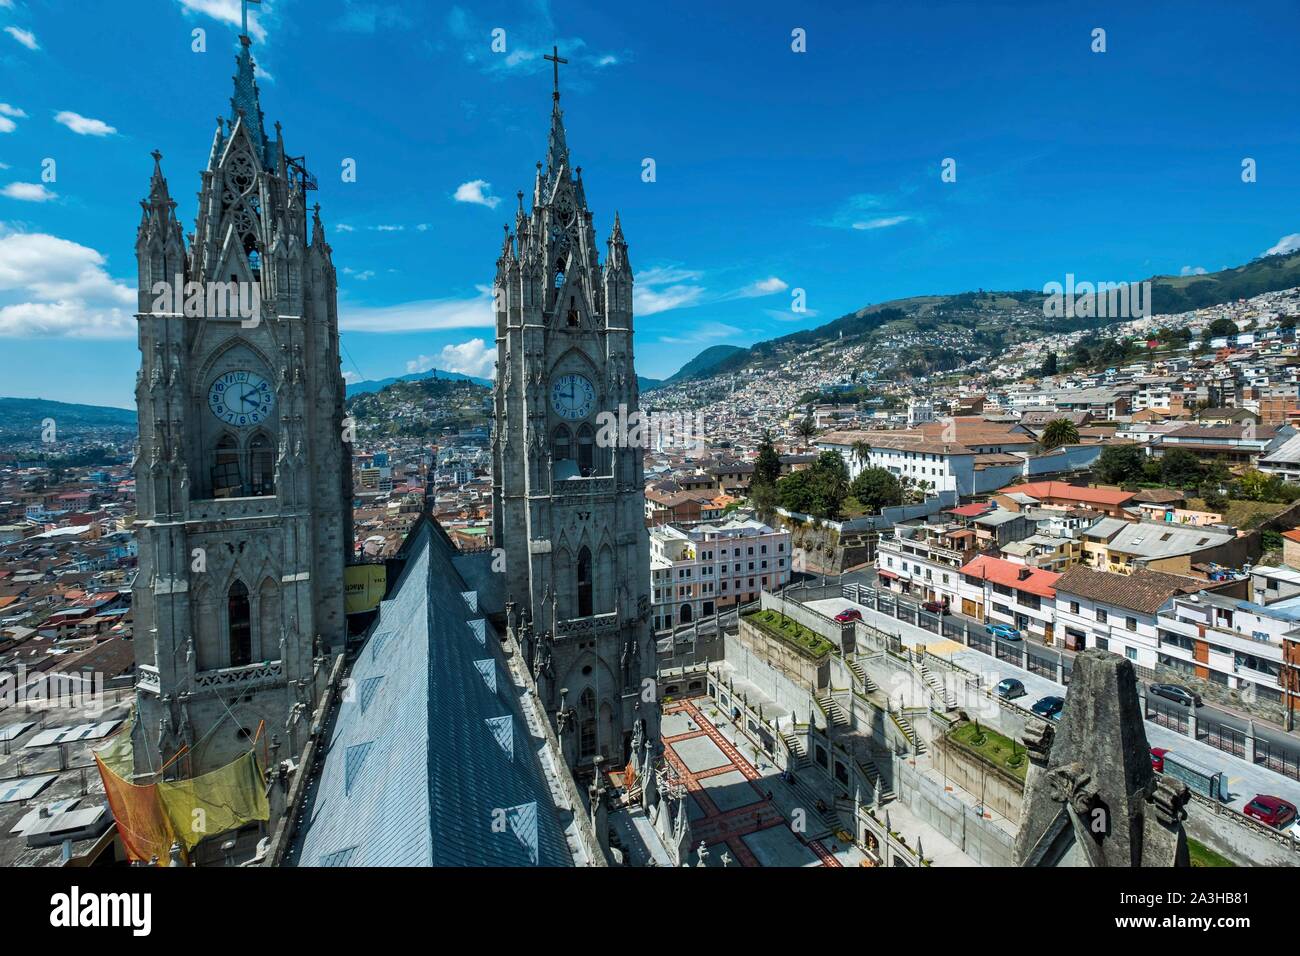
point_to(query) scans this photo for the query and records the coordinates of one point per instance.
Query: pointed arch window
(585, 606)
(587, 724)
(586, 451)
(239, 628)
(261, 465)
(562, 444)
(227, 481)
(559, 273)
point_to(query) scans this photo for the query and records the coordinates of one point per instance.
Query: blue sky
(775, 170)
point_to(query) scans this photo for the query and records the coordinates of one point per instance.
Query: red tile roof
(1066, 492)
(972, 510)
(1007, 573)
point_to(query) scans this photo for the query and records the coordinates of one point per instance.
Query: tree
(1254, 484)
(1120, 464)
(1221, 327)
(1216, 501)
(876, 488)
(819, 491)
(1049, 364)
(806, 428)
(764, 498)
(767, 465)
(1181, 468)
(862, 451)
(1058, 432)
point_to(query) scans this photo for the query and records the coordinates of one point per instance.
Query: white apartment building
(997, 591)
(710, 567)
(1229, 642)
(1117, 612)
(925, 561)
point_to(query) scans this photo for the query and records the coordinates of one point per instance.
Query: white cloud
(388, 227)
(52, 287)
(83, 125)
(421, 316)
(25, 37)
(702, 333)
(28, 192)
(7, 125)
(360, 276)
(7, 116)
(1192, 271)
(478, 192)
(474, 357)
(227, 11)
(665, 288)
(882, 223)
(351, 378)
(768, 286)
(343, 227)
(1285, 245)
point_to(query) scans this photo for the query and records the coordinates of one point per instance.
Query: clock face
(241, 399)
(572, 397)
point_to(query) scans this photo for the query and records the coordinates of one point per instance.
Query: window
(261, 465)
(239, 625)
(1101, 615)
(226, 480)
(586, 451)
(1131, 623)
(584, 583)
(562, 444)
(1074, 607)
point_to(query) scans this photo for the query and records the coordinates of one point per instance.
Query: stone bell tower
(568, 502)
(242, 475)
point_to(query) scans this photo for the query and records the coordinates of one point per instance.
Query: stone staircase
(860, 673)
(913, 738)
(834, 712)
(819, 823)
(798, 752)
(941, 691)
(872, 773)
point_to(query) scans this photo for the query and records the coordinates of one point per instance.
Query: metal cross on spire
(556, 59)
(243, 13)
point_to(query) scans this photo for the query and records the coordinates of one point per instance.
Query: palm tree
(1058, 432)
(861, 451)
(806, 429)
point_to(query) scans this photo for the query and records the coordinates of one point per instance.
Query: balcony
(583, 626)
(583, 487)
(247, 677)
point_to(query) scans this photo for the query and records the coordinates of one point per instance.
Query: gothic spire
(557, 149)
(246, 102)
(158, 195)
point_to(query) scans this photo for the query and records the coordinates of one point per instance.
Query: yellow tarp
(151, 817)
(222, 800)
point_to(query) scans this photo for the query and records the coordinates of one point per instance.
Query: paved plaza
(737, 810)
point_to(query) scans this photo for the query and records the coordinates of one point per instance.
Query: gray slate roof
(430, 761)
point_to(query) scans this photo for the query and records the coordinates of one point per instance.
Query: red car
(1158, 759)
(848, 615)
(935, 607)
(1274, 811)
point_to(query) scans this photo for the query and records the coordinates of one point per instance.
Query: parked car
(1009, 688)
(1274, 811)
(1179, 695)
(848, 615)
(1004, 631)
(1049, 707)
(935, 607)
(1158, 759)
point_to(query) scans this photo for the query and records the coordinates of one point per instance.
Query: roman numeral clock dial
(241, 399)
(572, 397)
